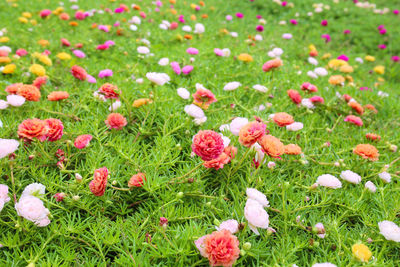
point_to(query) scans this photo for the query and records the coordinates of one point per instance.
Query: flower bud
(179, 195)
(78, 177)
(247, 246)
(76, 198)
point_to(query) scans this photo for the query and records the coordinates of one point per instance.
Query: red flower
(115, 121)
(65, 42)
(109, 90)
(294, 95)
(372, 136)
(354, 120)
(137, 180)
(203, 98)
(39, 81)
(82, 141)
(13, 88)
(98, 185)
(33, 128)
(221, 248)
(251, 132)
(57, 95)
(311, 88)
(217, 163)
(207, 145)
(55, 129)
(356, 106)
(79, 72)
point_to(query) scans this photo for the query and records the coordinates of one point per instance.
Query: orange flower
(372, 136)
(57, 95)
(272, 146)
(336, 80)
(221, 248)
(30, 92)
(272, 64)
(13, 88)
(292, 149)
(204, 16)
(245, 57)
(187, 37)
(33, 128)
(73, 23)
(137, 180)
(294, 95)
(98, 185)
(357, 107)
(217, 163)
(367, 151)
(251, 132)
(231, 151)
(140, 102)
(115, 121)
(282, 119)
(371, 107)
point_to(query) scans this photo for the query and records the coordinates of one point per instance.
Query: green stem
(186, 174)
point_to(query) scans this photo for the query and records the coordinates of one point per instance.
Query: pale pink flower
(389, 230)
(34, 189)
(230, 225)
(4, 198)
(350, 177)
(79, 53)
(32, 209)
(320, 230)
(237, 124)
(8, 146)
(183, 93)
(256, 215)
(295, 126)
(200, 245)
(385, 176)
(15, 100)
(256, 195)
(370, 186)
(325, 264)
(330, 181)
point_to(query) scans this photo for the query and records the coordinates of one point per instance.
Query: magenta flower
(364, 88)
(383, 31)
(343, 57)
(187, 69)
(324, 22)
(395, 58)
(79, 15)
(284, 3)
(79, 53)
(175, 67)
(293, 21)
(45, 13)
(381, 27)
(396, 11)
(239, 15)
(102, 47)
(119, 10)
(181, 19)
(327, 37)
(103, 28)
(346, 31)
(105, 73)
(260, 28)
(382, 46)
(317, 99)
(109, 43)
(192, 51)
(259, 17)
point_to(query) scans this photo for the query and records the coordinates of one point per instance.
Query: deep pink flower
(343, 57)
(55, 129)
(59, 197)
(383, 31)
(105, 73)
(102, 47)
(382, 46)
(239, 15)
(284, 3)
(346, 31)
(187, 69)
(208, 145)
(354, 120)
(317, 99)
(396, 11)
(324, 22)
(45, 13)
(65, 42)
(98, 185)
(395, 58)
(260, 28)
(203, 97)
(327, 37)
(79, 15)
(293, 21)
(82, 141)
(259, 17)
(175, 67)
(21, 52)
(119, 10)
(309, 87)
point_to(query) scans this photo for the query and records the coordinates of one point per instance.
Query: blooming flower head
(245, 57)
(137, 180)
(230, 225)
(316, 99)
(33, 128)
(350, 176)
(116, 121)
(272, 146)
(208, 145)
(109, 91)
(370, 186)
(311, 88)
(254, 194)
(55, 129)
(8, 146)
(354, 120)
(217, 163)
(295, 126)
(192, 51)
(367, 151)
(292, 149)
(176, 68)
(57, 95)
(187, 69)
(32, 209)
(35, 189)
(251, 132)
(361, 252)
(389, 230)
(356, 107)
(29, 92)
(105, 73)
(13, 88)
(203, 98)
(294, 95)
(98, 185)
(282, 119)
(256, 215)
(82, 141)
(158, 78)
(79, 72)
(328, 180)
(4, 198)
(272, 64)
(39, 81)
(336, 80)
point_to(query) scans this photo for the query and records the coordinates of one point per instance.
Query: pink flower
(79, 54)
(354, 120)
(65, 42)
(116, 121)
(239, 15)
(15, 100)
(207, 145)
(32, 209)
(192, 51)
(272, 64)
(260, 28)
(343, 57)
(383, 31)
(382, 46)
(79, 15)
(346, 31)
(90, 78)
(59, 197)
(218, 52)
(102, 47)
(284, 3)
(396, 11)
(45, 13)
(82, 141)
(21, 52)
(187, 69)
(329, 181)
(324, 22)
(98, 185)
(230, 225)
(103, 28)
(327, 37)
(395, 58)
(119, 10)
(311, 88)
(109, 43)
(256, 215)
(228, 17)
(55, 129)
(175, 67)
(320, 230)
(317, 99)
(105, 73)
(203, 97)
(4, 198)
(256, 195)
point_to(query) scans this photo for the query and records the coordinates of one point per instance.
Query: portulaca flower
(186, 28)
(135, 20)
(236, 124)
(200, 121)
(312, 74)
(226, 52)
(370, 186)
(3, 104)
(143, 50)
(7, 146)
(256, 195)
(199, 28)
(305, 102)
(258, 37)
(256, 215)
(158, 78)
(295, 126)
(320, 230)
(325, 264)
(230, 225)
(15, 100)
(183, 93)
(350, 177)
(260, 88)
(287, 36)
(116, 105)
(234, 34)
(312, 61)
(34, 189)
(276, 52)
(32, 209)
(232, 86)
(321, 71)
(4, 198)
(330, 181)
(225, 139)
(385, 176)
(194, 111)
(224, 127)
(134, 27)
(163, 62)
(389, 230)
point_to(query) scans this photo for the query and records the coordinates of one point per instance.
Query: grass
(122, 228)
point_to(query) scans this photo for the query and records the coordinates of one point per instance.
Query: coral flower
(109, 90)
(336, 80)
(115, 121)
(221, 248)
(39, 81)
(367, 151)
(357, 107)
(272, 146)
(55, 129)
(231, 151)
(82, 141)
(282, 119)
(29, 92)
(354, 119)
(372, 136)
(292, 149)
(251, 132)
(203, 98)
(208, 145)
(98, 185)
(311, 88)
(347, 98)
(371, 107)
(317, 99)
(79, 72)
(294, 95)
(272, 64)
(218, 163)
(137, 180)
(33, 128)
(13, 88)
(57, 95)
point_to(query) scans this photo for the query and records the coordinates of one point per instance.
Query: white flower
(139, 80)
(15, 100)
(6, 49)
(321, 71)
(260, 88)
(226, 52)
(143, 50)
(382, 94)
(158, 78)
(295, 126)
(8, 146)
(133, 27)
(256, 215)
(166, 23)
(162, 26)
(350, 176)
(186, 28)
(329, 181)
(230, 225)
(385, 176)
(276, 52)
(4, 198)
(234, 34)
(135, 20)
(287, 36)
(34, 189)
(32, 209)
(224, 127)
(305, 102)
(199, 28)
(194, 111)
(200, 121)
(370, 186)
(325, 264)
(116, 105)
(258, 37)
(163, 62)
(256, 195)
(312, 74)
(259, 157)
(199, 86)
(1, 124)
(236, 124)
(389, 230)
(312, 61)
(183, 93)
(232, 86)
(359, 60)
(3, 104)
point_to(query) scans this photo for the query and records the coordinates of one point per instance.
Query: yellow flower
(58, 11)
(140, 102)
(27, 15)
(326, 55)
(380, 79)
(336, 63)
(346, 69)
(43, 43)
(5, 60)
(10, 68)
(379, 69)
(245, 57)
(64, 56)
(361, 252)
(45, 60)
(23, 20)
(37, 69)
(33, 22)
(193, 6)
(4, 39)
(370, 58)
(312, 47)
(336, 80)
